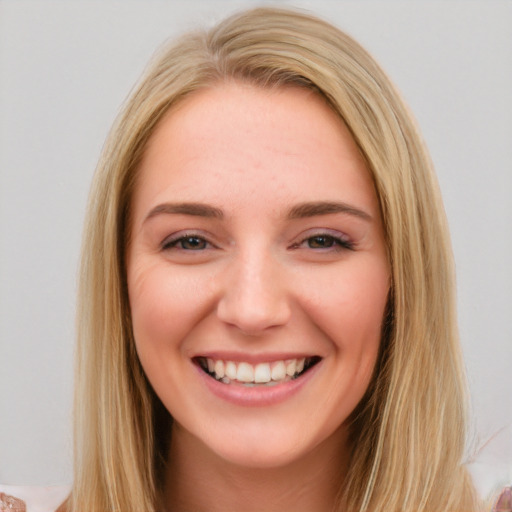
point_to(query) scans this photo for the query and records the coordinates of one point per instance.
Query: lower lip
(257, 396)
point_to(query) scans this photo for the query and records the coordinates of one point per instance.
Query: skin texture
(258, 284)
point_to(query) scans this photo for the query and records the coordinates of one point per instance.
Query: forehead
(284, 143)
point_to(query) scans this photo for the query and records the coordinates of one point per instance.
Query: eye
(325, 242)
(186, 243)
(321, 242)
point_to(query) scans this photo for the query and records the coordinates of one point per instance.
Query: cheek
(349, 304)
(348, 307)
(164, 305)
(165, 308)
(352, 318)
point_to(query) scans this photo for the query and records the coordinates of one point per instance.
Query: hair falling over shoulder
(408, 434)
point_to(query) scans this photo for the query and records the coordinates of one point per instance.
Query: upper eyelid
(334, 233)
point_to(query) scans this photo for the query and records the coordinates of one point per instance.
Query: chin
(256, 456)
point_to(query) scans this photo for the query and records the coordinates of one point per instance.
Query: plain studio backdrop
(65, 68)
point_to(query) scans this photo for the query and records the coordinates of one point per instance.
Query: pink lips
(259, 395)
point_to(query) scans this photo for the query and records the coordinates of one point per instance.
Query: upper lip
(236, 356)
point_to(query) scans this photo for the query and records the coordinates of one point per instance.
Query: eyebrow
(299, 211)
(195, 209)
(313, 209)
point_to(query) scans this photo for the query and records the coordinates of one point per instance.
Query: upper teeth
(260, 373)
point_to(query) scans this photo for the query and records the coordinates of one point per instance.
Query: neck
(197, 479)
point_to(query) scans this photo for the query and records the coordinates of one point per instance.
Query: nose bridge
(254, 295)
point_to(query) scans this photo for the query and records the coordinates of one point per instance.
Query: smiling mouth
(261, 374)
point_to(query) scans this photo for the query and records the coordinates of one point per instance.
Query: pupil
(321, 242)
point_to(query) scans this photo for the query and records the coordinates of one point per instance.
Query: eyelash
(335, 243)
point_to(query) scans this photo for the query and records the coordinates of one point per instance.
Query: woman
(267, 311)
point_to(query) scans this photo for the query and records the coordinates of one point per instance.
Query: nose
(255, 297)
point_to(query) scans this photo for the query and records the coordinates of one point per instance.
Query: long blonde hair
(408, 434)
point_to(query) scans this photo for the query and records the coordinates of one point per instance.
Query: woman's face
(257, 272)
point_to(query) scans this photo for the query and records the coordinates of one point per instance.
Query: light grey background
(66, 66)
